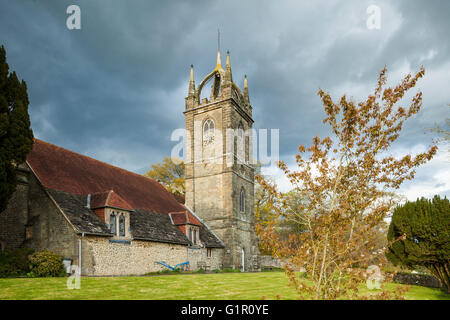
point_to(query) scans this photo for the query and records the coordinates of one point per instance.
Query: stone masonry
(35, 219)
(218, 165)
(102, 257)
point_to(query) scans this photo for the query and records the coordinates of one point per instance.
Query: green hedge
(14, 263)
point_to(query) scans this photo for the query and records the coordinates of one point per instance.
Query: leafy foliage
(170, 174)
(16, 136)
(14, 263)
(264, 213)
(348, 180)
(420, 236)
(46, 264)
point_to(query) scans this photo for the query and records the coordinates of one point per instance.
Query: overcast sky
(115, 89)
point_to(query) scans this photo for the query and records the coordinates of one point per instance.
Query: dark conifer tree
(419, 234)
(16, 136)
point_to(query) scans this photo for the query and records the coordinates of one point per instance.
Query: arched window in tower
(242, 200)
(240, 143)
(113, 223)
(208, 131)
(240, 130)
(122, 226)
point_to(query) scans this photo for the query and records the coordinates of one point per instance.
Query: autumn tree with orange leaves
(348, 182)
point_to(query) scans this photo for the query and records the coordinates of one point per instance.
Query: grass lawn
(226, 286)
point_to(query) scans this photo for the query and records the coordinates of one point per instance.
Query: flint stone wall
(101, 257)
(417, 279)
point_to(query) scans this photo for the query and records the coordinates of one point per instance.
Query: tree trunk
(441, 272)
(322, 267)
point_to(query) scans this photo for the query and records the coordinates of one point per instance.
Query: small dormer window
(188, 224)
(193, 235)
(122, 226)
(113, 223)
(118, 223)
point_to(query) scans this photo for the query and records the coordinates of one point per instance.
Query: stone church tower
(219, 174)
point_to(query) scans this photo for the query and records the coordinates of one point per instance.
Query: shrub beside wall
(25, 262)
(46, 264)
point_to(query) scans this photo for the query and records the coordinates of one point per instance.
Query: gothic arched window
(122, 226)
(242, 200)
(208, 131)
(240, 148)
(240, 130)
(113, 223)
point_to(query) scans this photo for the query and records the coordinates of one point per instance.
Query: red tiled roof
(61, 169)
(99, 199)
(184, 217)
(178, 218)
(109, 199)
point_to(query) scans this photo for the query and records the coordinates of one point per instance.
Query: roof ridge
(62, 169)
(102, 162)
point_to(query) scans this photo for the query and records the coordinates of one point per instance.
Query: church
(109, 221)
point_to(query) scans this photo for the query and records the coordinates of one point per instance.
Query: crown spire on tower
(191, 81)
(228, 76)
(246, 96)
(219, 62)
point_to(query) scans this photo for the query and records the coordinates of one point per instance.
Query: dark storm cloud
(115, 89)
(109, 80)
